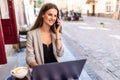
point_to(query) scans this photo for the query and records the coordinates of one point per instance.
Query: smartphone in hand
(56, 24)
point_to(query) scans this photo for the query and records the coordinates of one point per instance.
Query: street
(98, 40)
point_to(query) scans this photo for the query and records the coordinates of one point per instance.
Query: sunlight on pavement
(90, 28)
(106, 29)
(93, 28)
(115, 36)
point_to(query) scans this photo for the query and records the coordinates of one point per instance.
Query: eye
(50, 14)
(55, 15)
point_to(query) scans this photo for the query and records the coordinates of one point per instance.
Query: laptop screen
(69, 70)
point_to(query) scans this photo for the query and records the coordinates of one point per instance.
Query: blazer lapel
(53, 43)
(40, 45)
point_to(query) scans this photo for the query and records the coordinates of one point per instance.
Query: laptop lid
(69, 70)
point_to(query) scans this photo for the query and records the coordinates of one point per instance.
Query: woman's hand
(32, 64)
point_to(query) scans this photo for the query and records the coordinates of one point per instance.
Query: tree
(39, 3)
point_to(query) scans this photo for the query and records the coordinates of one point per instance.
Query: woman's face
(49, 17)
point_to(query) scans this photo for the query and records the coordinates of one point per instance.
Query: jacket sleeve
(30, 57)
(60, 52)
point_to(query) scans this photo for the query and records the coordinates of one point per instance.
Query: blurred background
(95, 25)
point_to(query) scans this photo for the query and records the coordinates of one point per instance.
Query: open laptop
(69, 70)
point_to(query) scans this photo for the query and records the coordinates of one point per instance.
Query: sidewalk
(69, 57)
(18, 59)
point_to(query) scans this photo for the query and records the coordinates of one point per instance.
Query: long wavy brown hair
(43, 10)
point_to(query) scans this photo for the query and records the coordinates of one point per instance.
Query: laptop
(69, 70)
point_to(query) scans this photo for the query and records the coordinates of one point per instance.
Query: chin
(50, 24)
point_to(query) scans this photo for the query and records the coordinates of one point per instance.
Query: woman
(43, 43)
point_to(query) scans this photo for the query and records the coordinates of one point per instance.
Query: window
(4, 9)
(108, 7)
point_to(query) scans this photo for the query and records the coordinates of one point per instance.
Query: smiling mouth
(51, 22)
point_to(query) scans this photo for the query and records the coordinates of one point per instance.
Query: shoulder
(33, 32)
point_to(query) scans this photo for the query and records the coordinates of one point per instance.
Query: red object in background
(9, 25)
(2, 47)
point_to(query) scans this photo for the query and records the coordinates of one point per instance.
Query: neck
(45, 28)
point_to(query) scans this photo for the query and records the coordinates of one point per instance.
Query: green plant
(39, 3)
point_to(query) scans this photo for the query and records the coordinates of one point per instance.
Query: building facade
(104, 8)
(99, 8)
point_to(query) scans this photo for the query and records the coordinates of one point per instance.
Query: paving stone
(117, 73)
(5, 69)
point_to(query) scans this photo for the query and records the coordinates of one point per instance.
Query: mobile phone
(56, 25)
